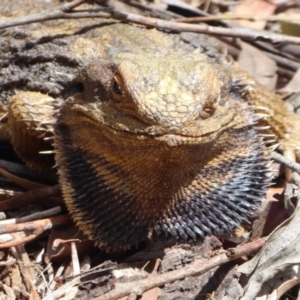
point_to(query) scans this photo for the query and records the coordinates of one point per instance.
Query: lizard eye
(117, 87)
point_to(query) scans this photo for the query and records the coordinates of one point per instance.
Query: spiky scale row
(221, 196)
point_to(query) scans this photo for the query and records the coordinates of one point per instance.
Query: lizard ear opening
(117, 87)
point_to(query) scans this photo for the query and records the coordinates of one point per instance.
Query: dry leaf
(257, 8)
(286, 286)
(259, 65)
(151, 294)
(272, 214)
(278, 257)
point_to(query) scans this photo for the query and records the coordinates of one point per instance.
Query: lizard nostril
(207, 111)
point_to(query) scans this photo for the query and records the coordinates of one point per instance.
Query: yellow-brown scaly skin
(160, 143)
(146, 150)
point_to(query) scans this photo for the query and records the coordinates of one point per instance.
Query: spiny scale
(174, 173)
(220, 195)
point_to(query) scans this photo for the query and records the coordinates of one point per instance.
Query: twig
(59, 13)
(29, 197)
(287, 162)
(75, 259)
(38, 227)
(22, 182)
(35, 216)
(45, 224)
(18, 169)
(228, 16)
(24, 240)
(243, 33)
(196, 268)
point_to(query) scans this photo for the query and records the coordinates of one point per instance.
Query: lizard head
(158, 145)
(169, 97)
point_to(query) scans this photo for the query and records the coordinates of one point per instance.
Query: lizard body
(161, 140)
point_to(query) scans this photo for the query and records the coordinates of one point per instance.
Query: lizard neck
(176, 191)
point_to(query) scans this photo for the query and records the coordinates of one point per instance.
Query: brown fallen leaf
(257, 8)
(286, 286)
(151, 294)
(276, 261)
(259, 65)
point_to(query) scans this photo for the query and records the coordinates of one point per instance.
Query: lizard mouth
(128, 126)
(171, 137)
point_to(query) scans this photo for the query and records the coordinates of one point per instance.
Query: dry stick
(75, 259)
(60, 13)
(287, 162)
(35, 216)
(277, 55)
(45, 224)
(243, 33)
(54, 15)
(237, 17)
(30, 197)
(39, 215)
(38, 227)
(196, 268)
(17, 169)
(24, 240)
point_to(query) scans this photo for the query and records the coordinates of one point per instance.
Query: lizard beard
(122, 192)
